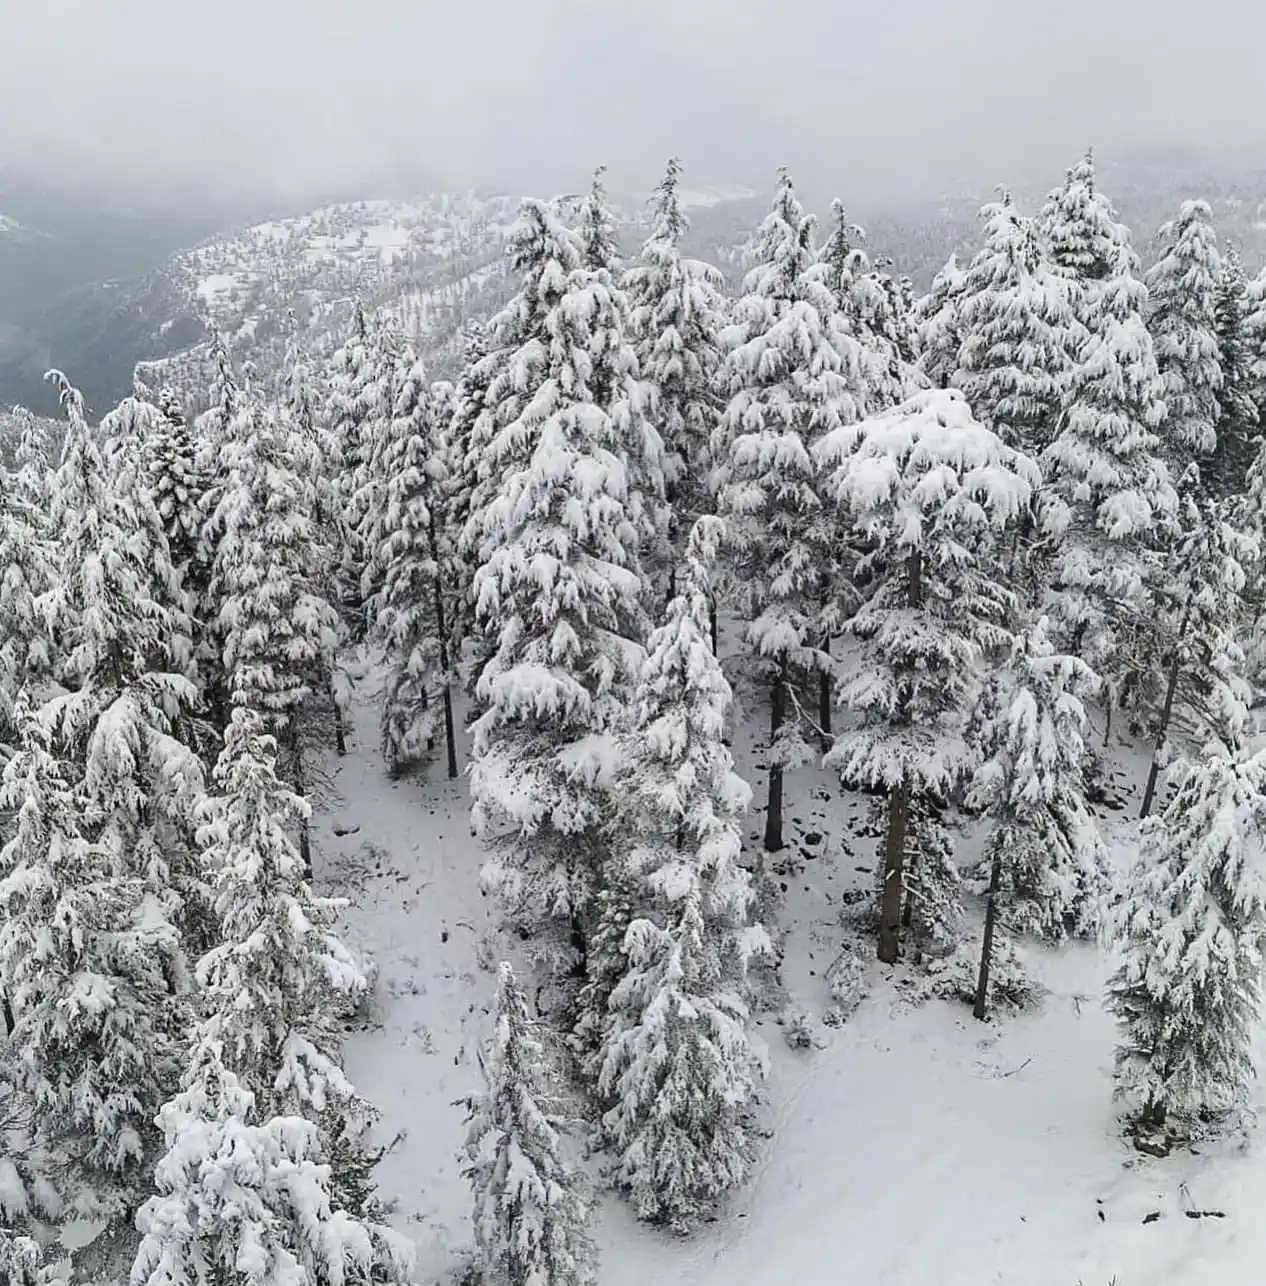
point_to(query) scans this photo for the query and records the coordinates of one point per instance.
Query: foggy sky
(289, 97)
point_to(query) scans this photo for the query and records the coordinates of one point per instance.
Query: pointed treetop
(669, 219)
(597, 227)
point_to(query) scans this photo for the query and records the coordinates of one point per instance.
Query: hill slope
(915, 1147)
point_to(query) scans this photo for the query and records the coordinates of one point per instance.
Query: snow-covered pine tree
(1108, 494)
(599, 243)
(937, 327)
(1183, 295)
(1081, 232)
(122, 657)
(22, 1261)
(791, 377)
(355, 389)
(614, 381)
(87, 966)
(678, 312)
(1200, 607)
(930, 490)
(243, 1197)
(274, 985)
(864, 310)
(676, 1069)
(530, 1213)
(278, 632)
(28, 558)
(1019, 332)
(412, 608)
(1186, 992)
(265, 1051)
(1226, 473)
(176, 483)
(562, 582)
(1048, 867)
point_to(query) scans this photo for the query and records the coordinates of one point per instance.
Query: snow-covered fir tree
(561, 581)
(1048, 866)
(678, 313)
(278, 631)
(22, 1261)
(1183, 296)
(792, 378)
(1108, 494)
(88, 967)
(247, 1197)
(937, 327)
(676, 1067)
(412, 610)
(1081, 232)
(1199, 604)
(930, 490)
(1225, 473)
(1020, 336)
(599, 242)
(1186, 992)
(530, 1213)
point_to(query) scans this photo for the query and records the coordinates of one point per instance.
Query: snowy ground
(916, 1147)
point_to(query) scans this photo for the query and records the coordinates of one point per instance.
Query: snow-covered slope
(915, 1147)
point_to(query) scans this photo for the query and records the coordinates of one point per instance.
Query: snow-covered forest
(691, 581)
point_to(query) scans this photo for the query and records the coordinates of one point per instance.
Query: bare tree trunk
(713, 628)
(299, 782)
(894, 860)
(450, 732)
(980, 1008)
(9, 1021)
(825, 695)
(777, 717)
(899, 797)
(1167, 714)
(340, 732)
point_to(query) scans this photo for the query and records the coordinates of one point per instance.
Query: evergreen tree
(530, 1214)
(1183, 290)
(930, 489)
(561, 580)
(599, 244)
(412, 609)
(245, 1201)
(1186, 993)
(1108, 494)
(279, 634)
(938, 327)
(22, 1261)
(1225, 474)
(677, 1069)
(1019, 332)
(792, 378)
(1082, 235)
(86, 963)
(677, 316)
(1200, 608)
(1048, 867)
(121, 657)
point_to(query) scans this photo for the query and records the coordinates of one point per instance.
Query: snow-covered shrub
(848, 985)
(799, 1029)
(1011, 985)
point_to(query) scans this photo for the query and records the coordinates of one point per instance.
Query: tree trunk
(340, 732)
(713, 628)
(9, 1021)
(980, 1008)
(894, 861)
(777, 717)
(824, 700)
(450, 732)
(1167, 713)
(299, 783)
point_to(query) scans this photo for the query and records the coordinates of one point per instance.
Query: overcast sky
(882, 97)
